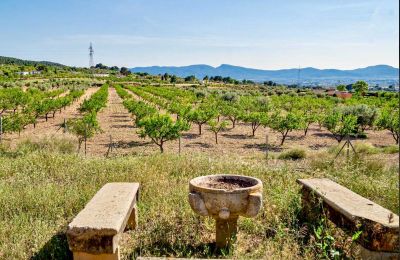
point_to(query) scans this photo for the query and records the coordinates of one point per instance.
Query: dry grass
(43, 186)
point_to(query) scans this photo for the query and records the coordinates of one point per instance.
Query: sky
(260, 34)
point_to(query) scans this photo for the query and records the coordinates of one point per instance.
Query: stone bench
(380, 227)
(95, 232)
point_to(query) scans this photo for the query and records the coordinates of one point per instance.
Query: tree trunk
(284, 137)
(216, 138)
(46, 117)
(199, 129)
(233, 123)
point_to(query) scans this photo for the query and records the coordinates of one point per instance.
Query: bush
(293, 154)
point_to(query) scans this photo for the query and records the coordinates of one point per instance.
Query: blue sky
(252, 33)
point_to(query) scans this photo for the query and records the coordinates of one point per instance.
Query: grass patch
(390, 149)
(43, 190)
(293, 154)
(48, 144)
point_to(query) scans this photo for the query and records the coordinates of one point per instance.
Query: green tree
(366, 115)
(341, 87)
(125, 71)
(232, 111)
(360, 87)
(201, 115)
(161, 128)
(340, 125)
(389, 120)
(216, 127)
(285, 123)
(256, 119)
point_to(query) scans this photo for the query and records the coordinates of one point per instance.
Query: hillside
(378, 72)
(20, 62)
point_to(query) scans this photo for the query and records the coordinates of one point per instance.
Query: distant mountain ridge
(21, 62)
(377, 72)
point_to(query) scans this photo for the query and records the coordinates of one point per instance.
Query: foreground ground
(50, 184)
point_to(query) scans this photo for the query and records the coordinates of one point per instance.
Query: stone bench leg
(133, 219)
(87, 256)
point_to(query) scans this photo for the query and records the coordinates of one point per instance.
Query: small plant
(84, 128)
(325, 242)
(293, 154)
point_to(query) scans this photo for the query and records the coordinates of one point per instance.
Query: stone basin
(225, 198)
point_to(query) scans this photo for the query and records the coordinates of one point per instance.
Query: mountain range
(377, 73)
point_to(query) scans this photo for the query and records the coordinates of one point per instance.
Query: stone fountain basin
(225, 196)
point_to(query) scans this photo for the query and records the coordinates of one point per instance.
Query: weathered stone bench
(94, 233)
(380, 227)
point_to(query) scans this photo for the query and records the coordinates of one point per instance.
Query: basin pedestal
(225, 231)
(225, 198)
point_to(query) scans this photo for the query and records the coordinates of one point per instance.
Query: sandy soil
(52, 126)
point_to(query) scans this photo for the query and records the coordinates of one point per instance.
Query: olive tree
(365, 115)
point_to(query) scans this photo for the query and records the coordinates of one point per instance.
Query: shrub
(293, 154)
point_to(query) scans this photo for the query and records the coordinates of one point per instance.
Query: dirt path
(116, 121)
(52, 126)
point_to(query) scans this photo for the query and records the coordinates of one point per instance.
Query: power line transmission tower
(91, 52)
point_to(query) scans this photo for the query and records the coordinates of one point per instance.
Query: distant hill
(378, 72)
(20, 62)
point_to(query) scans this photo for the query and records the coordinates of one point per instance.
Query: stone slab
(96, 228)
(348, 210)
(349, 203)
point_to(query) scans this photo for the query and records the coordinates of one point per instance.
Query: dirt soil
(225, 184)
